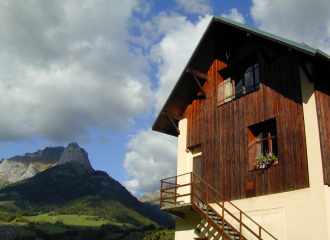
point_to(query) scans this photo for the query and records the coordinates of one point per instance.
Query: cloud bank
(301, 21)
(67, 67)
(153, 155)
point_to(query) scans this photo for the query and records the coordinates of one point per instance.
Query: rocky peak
(75, 153)
(44, 151)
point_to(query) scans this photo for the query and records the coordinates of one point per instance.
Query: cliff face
(11, 171)
(73, 153)
(22, 167)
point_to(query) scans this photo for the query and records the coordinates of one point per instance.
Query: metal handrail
(209, 200)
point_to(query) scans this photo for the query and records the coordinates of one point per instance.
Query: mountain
(73, 153)
(152, 198)
(21, 167)
(72, 186)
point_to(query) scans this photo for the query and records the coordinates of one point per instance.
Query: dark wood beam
(264, 55)
(260, 49)
(305, 70)
(174, 125)
(167, 114)
(200, 86)
(196, 73)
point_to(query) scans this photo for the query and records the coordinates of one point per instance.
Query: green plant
(264, 161)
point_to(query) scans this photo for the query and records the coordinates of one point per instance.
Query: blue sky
(98, 72)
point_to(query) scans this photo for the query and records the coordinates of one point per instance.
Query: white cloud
(233, 14)
(153, 154)
(66, 67)
(195, 6)
(172, 53)
(152, 158)
(173, 38)
(299, 20)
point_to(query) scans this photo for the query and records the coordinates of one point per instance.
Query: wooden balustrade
(202, 194)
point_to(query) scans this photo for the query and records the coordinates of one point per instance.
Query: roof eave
(292, 44)
(272, 37)
(183, 72)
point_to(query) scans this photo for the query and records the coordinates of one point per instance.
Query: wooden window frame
(227, 87)
(254, 131)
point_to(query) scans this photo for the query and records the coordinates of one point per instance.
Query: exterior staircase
(188, 192)
(216, 221)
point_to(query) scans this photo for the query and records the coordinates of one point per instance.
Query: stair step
(218, 220)
(236, 237)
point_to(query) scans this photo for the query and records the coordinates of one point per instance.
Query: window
(240, 78)
(262, 139)
(246, 80)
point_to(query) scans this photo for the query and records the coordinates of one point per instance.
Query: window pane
(239, 87)
(256, 73)
(249, 69)
(274, 144)
(248, 77)
(265, 146)
(259, 149)
(264, 134)
(262, 147)
(272, 130)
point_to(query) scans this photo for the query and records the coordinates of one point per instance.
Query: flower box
(265, 161)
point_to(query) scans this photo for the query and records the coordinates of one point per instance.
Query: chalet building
(251, 113)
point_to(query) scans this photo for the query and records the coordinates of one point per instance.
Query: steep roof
(220, 32)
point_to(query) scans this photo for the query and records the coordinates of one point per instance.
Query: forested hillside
(73, 189)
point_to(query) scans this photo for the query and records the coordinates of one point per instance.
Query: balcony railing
(190, 189)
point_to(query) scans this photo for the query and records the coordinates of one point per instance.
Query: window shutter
(252, 149)
(221, 93)
(225, 91)
(229, 90)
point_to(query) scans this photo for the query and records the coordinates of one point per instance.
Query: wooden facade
(222, 131)
(322, 97)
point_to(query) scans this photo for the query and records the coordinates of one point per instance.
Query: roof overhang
(207, 50)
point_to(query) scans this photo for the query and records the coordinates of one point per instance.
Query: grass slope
(75, 220)
(71, 189)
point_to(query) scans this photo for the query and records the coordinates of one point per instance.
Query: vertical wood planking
(222, 131)
(322, 92)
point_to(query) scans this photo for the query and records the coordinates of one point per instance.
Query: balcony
(189, 193)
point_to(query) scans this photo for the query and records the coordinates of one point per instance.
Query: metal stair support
(210, 205)
(223, 227)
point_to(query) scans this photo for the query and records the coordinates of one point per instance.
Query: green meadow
(48, 223)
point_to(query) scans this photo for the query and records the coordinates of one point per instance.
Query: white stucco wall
(300, 214)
